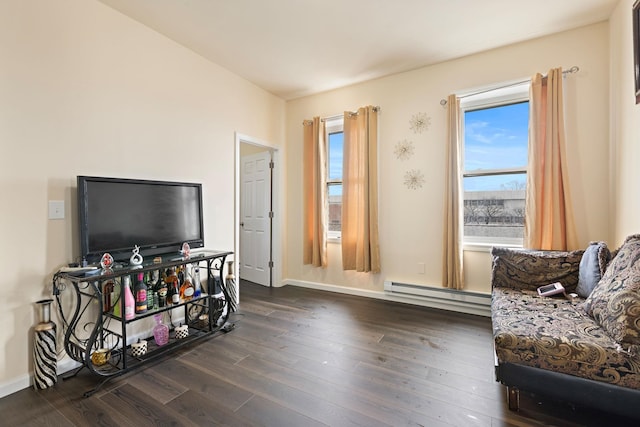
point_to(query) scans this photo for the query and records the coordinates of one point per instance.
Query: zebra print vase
(44, 349)
(230, 282)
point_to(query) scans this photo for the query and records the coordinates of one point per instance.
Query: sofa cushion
(529, 269)
(592, 266)
(557, 335)
(615, 301)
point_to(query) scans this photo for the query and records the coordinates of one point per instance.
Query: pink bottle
(129, 301)
(160, 331)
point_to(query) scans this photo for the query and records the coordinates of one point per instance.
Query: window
(335, 144)
(495, 129)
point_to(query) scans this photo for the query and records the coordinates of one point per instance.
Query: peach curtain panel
(315, 194)
(360, 244)
(452, 269)
(548, 211)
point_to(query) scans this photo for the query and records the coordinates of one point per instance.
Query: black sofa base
(568, 388)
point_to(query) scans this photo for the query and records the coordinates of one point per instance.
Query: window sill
(486, 247)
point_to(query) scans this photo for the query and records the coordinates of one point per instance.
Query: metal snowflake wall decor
(404, 149)
(413, 179)
(419, 122)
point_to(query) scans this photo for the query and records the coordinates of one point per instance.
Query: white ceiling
(294, 48)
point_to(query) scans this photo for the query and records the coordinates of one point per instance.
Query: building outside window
(495, 129)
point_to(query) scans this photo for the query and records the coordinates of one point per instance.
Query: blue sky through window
(496, 138)
(336, 144)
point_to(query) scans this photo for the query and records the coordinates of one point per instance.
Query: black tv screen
(117, 214)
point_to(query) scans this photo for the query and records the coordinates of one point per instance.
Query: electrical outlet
(421, 268)
(56, 209)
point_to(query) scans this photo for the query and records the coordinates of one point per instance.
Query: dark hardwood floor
(301, 357)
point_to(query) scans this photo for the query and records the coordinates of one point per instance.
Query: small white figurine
(136, 258)
(186, 250)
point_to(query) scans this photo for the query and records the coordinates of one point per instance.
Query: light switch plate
(56, 209)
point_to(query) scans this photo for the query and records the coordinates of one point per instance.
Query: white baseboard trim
(424, 301)
(16, 384)
(63, 366)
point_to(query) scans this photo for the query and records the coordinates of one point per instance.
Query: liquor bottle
(150, 305)
(115, 300)
(147, 282)
(140, 291)
(162, 293)
(180, 274)
(129, 301)
(175, 294)
(154, 279)
(168, 281)
(107, 296)
(196, 282)
(173, 289)
(187, 290)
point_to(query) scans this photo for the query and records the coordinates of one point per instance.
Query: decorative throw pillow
(592, 266)
(615, 301)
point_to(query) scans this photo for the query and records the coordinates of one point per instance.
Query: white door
(255, 223)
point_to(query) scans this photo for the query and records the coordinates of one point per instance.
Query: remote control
(552, 289)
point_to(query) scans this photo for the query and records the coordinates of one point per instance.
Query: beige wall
(86, 90)
(411, 220)
(625, 128)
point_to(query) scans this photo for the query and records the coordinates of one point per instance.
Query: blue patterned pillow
(592, 267)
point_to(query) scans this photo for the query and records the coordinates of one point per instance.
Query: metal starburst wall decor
(419, 122)
(413, 179)
(404, 149)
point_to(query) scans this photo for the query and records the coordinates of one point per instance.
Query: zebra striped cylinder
(44, 349)
(230, 282)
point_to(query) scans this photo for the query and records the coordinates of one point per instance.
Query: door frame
(276, 272)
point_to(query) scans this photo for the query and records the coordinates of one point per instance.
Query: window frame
(508, 94)
(332, 125)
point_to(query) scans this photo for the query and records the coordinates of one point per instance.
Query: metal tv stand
(88, 327)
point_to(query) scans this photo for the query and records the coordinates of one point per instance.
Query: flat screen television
(116, 214)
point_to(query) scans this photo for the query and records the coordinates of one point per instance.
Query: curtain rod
(337, 116)
(571, 70)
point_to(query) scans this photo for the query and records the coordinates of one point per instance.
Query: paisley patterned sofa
(584, 350)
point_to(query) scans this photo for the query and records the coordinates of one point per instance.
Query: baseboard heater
(447, 299)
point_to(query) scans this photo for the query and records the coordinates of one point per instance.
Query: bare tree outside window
(492, 210)
(471, 213)
(514, 185)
